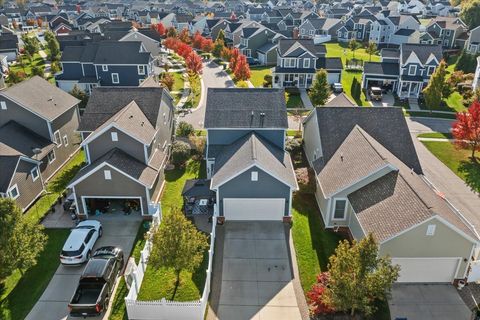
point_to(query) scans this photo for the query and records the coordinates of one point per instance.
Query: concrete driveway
(387, 101)
(427, 302)
(118, 230)
(256, 277)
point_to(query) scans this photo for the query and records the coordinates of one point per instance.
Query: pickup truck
(96, 283)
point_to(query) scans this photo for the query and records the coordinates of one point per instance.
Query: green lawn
(449, 155)
(313, 244)
(27, 65)
(160, 283)
(257, 74)
(18, 294)
(439, 135)
(119, 311)
(55, 187)
(294, 101)
(428, 114)
(179, 81)
(337, 50)
(196, 93)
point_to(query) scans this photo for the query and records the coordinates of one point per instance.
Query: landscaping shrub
(184, 129)
(267, 81)
(293, 145)
(180, 153)
(466, 63)
(242, 84)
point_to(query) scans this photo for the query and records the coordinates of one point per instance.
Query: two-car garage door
(253, 209)
(427, 269)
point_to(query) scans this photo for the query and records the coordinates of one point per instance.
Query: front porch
(292, 80)
(410, 89)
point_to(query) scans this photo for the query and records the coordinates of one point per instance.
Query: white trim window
(141, 70)
(3, 105)
(51, 156)
(312, 32)
(104, 68)
(410, 68)
(289, 63)
(57, 137)
(115, 78)
(13, 192)
(306, 63)
(114, 136)
(431, 229)
(302, 31)
(254, 176)
(430, 70)
(340, 209)
(65, 140)
(107, 174)
(34, 174)
(248, 53)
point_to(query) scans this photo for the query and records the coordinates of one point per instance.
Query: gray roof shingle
(253, 150)
(243, 108)
(422, 51)
(381, 68)
(41, 97)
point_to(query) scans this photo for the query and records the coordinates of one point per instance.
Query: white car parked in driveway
(79, 245)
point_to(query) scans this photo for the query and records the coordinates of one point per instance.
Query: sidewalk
(306, 99)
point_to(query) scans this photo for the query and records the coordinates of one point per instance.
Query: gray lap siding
(119, 186)
(242, 187)
(127, 75)
(29, 190)
(23, 117)
(66, 124)
(103, 143)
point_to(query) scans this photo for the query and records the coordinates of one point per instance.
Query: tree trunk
(177, 283)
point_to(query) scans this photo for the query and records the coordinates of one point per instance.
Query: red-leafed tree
(207, 45)
(242, 69)
(315, 296)
(466, 129)
(197, 40)
(234, 54)
(184, 36)
(160, 28)
(171, 43)
(183, 50)
(39, 22)
(194, 63)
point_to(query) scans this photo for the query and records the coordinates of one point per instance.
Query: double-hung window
(51, 156)
(412, 70)
(104, 68)
(115, 78)
(34, 173)
(13, 192)
(306, 63)
(289, 63)
(58, 138)
(141, 70)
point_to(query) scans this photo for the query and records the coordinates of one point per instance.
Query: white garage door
(253, 209)
(427, 270)
(333, 77)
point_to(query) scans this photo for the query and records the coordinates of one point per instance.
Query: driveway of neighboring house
(255, 277)
(387, 101)
(118, 230)
(427, 302)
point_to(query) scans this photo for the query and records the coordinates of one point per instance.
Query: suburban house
(299, 59)
(445, 31)
(356, 27)
(149, 38)
(106, 63)
(405, 71)
(37, 136)
(253, 38)
(476, 78)
(320, 28)
(472, 45)
(247, 165)
(126, 134)
(395, 30)
(369, 180)
(9, 46)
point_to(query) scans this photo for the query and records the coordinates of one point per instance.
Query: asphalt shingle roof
(243, 108)
(41, 97)
(285, 44)
(381, 68)
(422, 51)
(253, 150)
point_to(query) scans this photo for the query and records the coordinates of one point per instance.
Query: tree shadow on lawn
(471, 172)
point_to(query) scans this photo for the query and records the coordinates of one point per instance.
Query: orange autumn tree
(197, 40)
(207, 45)
(194, 63)
(234, 54)
(466, 129)
(242, 69)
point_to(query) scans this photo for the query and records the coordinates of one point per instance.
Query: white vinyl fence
(165, 309)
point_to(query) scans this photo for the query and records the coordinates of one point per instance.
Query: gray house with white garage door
(127, 134)
(250, 170)
(369, 180)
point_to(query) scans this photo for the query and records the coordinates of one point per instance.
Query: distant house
(249, 170)
(127, 135)
(254, 38)
(299, 59)
(106, 63)
(149, 38)
(445, 31)
(9, 46)
(405, 71)
(322, 27)
(369, 180)
(37, 124)
(472, 45)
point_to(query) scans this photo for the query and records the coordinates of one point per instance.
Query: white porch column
(409, 88)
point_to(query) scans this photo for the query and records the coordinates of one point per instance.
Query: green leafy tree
(80, 95)
(356, 90)
(177, 244)
(184, 129)
(470, 13)
(358, 277)
(218, 47)
(53, 46)
(433, 93)
(38, 71)
(180, 153)
(466, 62)
(320, 91)
(21, 239)
(31, 44)
(353, 45)
(371, 49)
(221, 35)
